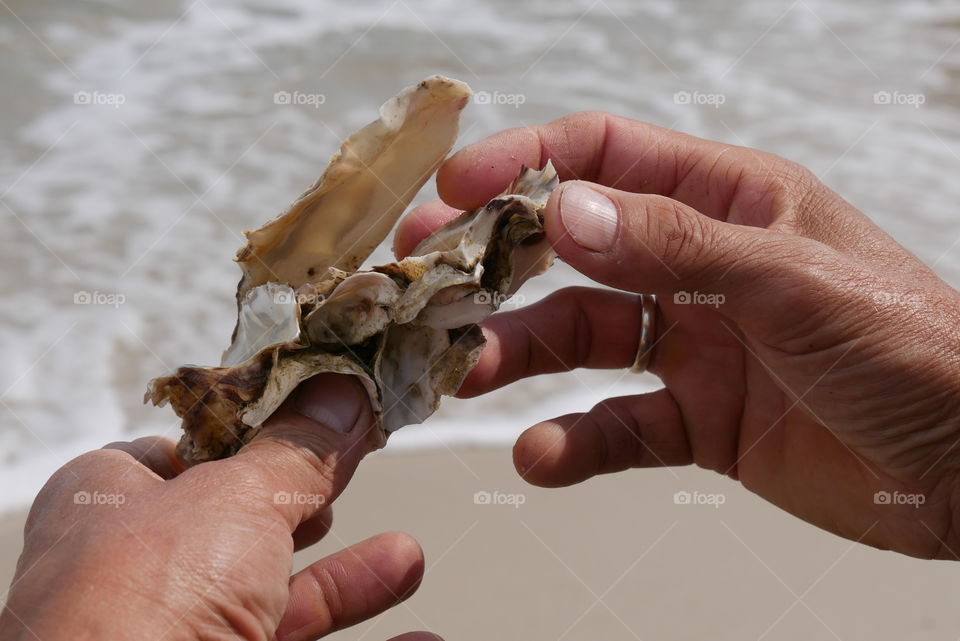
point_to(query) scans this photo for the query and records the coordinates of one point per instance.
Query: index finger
(617, 152)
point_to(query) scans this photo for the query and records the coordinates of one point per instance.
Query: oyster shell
(408, 329)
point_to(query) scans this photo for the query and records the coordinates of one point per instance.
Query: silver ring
(648, 318)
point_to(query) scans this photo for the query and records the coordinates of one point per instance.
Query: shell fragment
(408, 329)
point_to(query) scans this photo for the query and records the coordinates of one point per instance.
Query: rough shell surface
(408, 329)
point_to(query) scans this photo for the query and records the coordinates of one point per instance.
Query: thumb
(308, 450)
(654, 244)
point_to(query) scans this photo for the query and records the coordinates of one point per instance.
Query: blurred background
(141, 138)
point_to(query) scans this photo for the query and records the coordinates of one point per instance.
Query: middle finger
(571, 328)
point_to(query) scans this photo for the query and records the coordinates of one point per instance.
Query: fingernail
(335, 400)
(589, 217)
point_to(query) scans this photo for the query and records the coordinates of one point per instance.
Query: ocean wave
(141, 147)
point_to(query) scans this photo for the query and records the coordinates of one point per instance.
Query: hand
(824, 368)
(123, 543)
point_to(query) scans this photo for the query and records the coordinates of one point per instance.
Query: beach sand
(616, 558)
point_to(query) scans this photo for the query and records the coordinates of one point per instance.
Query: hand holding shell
(406, 329)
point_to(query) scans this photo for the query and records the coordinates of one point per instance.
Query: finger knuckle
(77, 475)
(568, 298)
(785, 172)
(588, 115)
(570, 303)
(232, 481)
(682, 238)
(618, 435)
(89, 465)
(330, 605)
(288, 463)
(784, 186)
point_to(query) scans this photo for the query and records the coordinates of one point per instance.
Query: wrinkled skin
(206, 553)
(830, 372)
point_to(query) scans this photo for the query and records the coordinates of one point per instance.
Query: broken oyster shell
(408, 329)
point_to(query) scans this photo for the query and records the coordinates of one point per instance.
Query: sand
(616, 558)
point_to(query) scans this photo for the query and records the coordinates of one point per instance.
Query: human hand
(830, 371)
(123, 543)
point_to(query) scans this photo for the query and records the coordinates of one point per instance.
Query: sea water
(141, 138)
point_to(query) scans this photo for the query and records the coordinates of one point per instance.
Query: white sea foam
(147, 199)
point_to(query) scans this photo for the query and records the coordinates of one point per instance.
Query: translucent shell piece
(408, 329)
